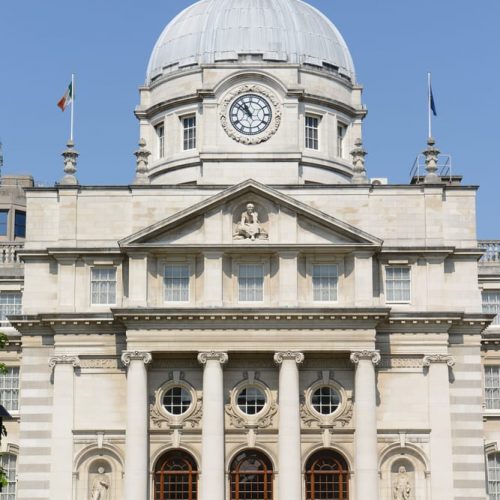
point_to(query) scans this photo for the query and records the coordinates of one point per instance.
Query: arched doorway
(176, 477)
(251, 476)
(327, 476)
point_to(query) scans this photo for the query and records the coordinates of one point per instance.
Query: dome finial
(70, 158)
(142, 155)
(358, 158)
(431, 162)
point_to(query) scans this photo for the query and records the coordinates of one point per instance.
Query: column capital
(439, 358)
(129, 356)
(373, 356)
(221, 357)
(298, 357)
(64, 359)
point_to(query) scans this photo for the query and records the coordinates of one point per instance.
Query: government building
(253, 317)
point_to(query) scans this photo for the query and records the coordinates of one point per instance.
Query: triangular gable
(315, 217)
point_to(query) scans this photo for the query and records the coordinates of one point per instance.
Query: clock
(250, 114)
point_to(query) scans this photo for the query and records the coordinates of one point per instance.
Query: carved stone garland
(258, 138)
(263, 419)
(161, 419)
(338, 419)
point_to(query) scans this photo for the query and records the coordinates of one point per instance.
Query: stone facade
(252, 295)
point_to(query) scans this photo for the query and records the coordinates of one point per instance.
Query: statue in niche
(249, 226)
(100, 485)
(402, 485)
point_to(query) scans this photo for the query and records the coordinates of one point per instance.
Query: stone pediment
(250, 214)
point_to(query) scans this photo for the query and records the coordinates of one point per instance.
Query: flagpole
(429, 102)
(72, 106)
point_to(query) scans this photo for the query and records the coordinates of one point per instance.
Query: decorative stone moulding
(439, 358)
(129, 356)
(221, 357)
(373, 356)
(261, 420)
(298, 357)
(257, 138)
(340, 418)
(162, 419)
(64, 359)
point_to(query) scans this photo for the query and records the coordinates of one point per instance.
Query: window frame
(328, 301)
(341, 139)
(342, 474)
(5, 211)
(307, 139)
(8, 495)
(160, 140)
(236, 473)
(9, 407)
(180, 263)
(92, 281)
(307, 297)
(493, 409)
(184, 118)
(410, 280)
(16, 225)
(192, 473)
(484, 305)
(238, 277)
(488, 472)
(17, 293)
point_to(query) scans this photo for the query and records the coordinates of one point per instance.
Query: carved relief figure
(402, 485)
(249, 226)
(100, 486)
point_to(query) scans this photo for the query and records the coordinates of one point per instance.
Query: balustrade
(492, 250)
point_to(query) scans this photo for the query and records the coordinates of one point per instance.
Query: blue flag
(432, 102)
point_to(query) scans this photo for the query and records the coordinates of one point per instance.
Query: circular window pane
(325, 400)
(177, 400)
(251, 400)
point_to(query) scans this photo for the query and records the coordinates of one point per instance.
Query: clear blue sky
(394, 44)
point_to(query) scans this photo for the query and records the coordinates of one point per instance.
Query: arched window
(176, 477)
(251, 476)
(327, 477)
(8, 462)
(494, 476)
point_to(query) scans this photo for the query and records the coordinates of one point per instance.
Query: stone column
(136, 434)
(440, 423)
(61, 469)
(365, 439)
(213, 477)
(290, 456)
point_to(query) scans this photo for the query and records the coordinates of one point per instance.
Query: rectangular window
(491, 304)
(103, 286)
(325, 281)
(8, 462)
(4, 219)
(189, 125)
(398, 284)
(176, 281)
(312, 132)
(341, 133)
(251, 283)
(20, 224)
(10, 304)
(160, 135)
(492, 387)
(9, 389)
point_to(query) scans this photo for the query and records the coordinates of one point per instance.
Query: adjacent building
(253, 317)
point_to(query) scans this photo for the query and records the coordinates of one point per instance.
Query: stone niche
(99, 476)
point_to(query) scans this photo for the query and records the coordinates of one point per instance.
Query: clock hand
(247, 109)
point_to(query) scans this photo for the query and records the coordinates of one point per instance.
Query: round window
(251, 400)
(177, 400)
(325, 400)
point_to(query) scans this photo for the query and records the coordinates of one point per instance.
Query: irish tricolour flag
(67, 98)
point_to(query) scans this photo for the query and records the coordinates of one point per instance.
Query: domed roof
(212, 31)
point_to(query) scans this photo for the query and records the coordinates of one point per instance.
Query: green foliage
(3, 431)
(3, 341)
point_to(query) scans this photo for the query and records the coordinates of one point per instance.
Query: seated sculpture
(249, 226)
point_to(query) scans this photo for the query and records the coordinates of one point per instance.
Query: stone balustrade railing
(492, 248)
(9, 253)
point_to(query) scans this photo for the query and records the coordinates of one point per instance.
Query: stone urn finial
(142, 155)
(70, 158)
(358, 159)
(431, 162)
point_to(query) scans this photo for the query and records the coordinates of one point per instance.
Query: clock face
(250, 114)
